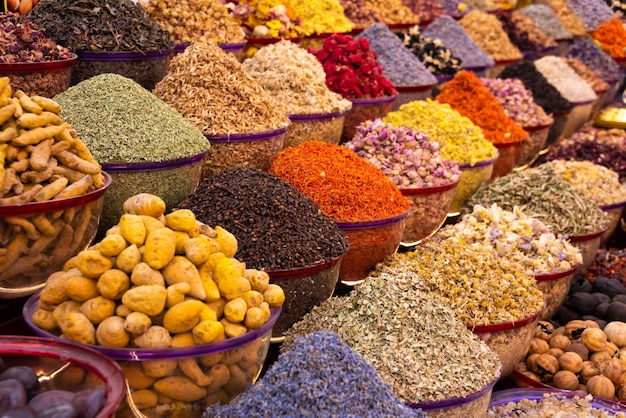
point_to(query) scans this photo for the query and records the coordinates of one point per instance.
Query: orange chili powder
(344, 186)
(467, 95)
(612, 37)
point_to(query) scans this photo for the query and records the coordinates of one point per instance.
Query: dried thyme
(121, 122)
(213, 91)
(541, 193)
(412, 339)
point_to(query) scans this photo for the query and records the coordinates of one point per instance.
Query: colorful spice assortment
(98, 109)
(563, 77)
(454, 37)
(319, 373)
(195, 21)
(276, 227)
(516, 236)
(358, 13)
(593, 12)
(544, 93)
(518, 36)
(23, 41)
(460, 140)
(267, 18)
(321, 16)
(466, 94)
(611, 36)
(295, 79)
(351, 68)
(398, 328)
(212, 90)
(100, 25)
(594, 81)
(593, 180)
(400, 66)
(568, 17)
(344, 186)
(606, 147)
(431, 52)
(589, 53)
(486, 30)
(517, 101)
(535, 35)
(541, 193)
(392, 11)
(408, 158)
(546, 20)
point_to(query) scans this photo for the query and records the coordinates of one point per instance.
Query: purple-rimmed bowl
(363, 110)
(325, 127)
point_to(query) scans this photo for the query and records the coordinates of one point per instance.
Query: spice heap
(460, 140)
(267, 18)
(518, 36)
(426, 10)
(618, 6)
(454, 37)
(454, 8)
(541, 193)
(478, 285)
(483, 5)
(276, 227)
(392, 12)
(486, 30)
(563, 77)
(358, 13)
(517, 101)
(344, 186)
(295, 79)
(195, 21)
(572, 22)
(98, 109)
(321, 16)
(437, 58)
(466, 94)
(212, 90)
(351, 68)
(399, 65)
(546, 20)
(544, 93)
(319, 372)
(590, 54)
(592, 12)
(100, 25)
(550, 404)
(611, 36)
(594, 81)
(535, 35)
(610, 263)
(23, 41)
(597, 182)
(599, 146)
(399, 329)
(409, 158)
(516, 236)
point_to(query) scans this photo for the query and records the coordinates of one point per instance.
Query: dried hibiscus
(22, 41)
(351, 68)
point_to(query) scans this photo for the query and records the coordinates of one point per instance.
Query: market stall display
(466, 94)
(278, 231)
(115, 37)
(410, 315)
(393, 12)
(519, 31)
(296, 80)
(592, 12)
(323, 16)
(426, 10)
(34, 63)
(546, 20)
(611, 36)
(215, 316)
(568, 18)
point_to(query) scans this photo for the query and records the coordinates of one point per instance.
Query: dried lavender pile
(592, 12)
(319, 376)
(454, 37)
(590, 54)
(413, 340)
(399, 64)
(295, 79)
(275, 225)
(213, 91)
(100, 25)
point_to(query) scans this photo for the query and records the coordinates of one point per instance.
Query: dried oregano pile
(295, 79)
(413, 340)
(213, 91)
